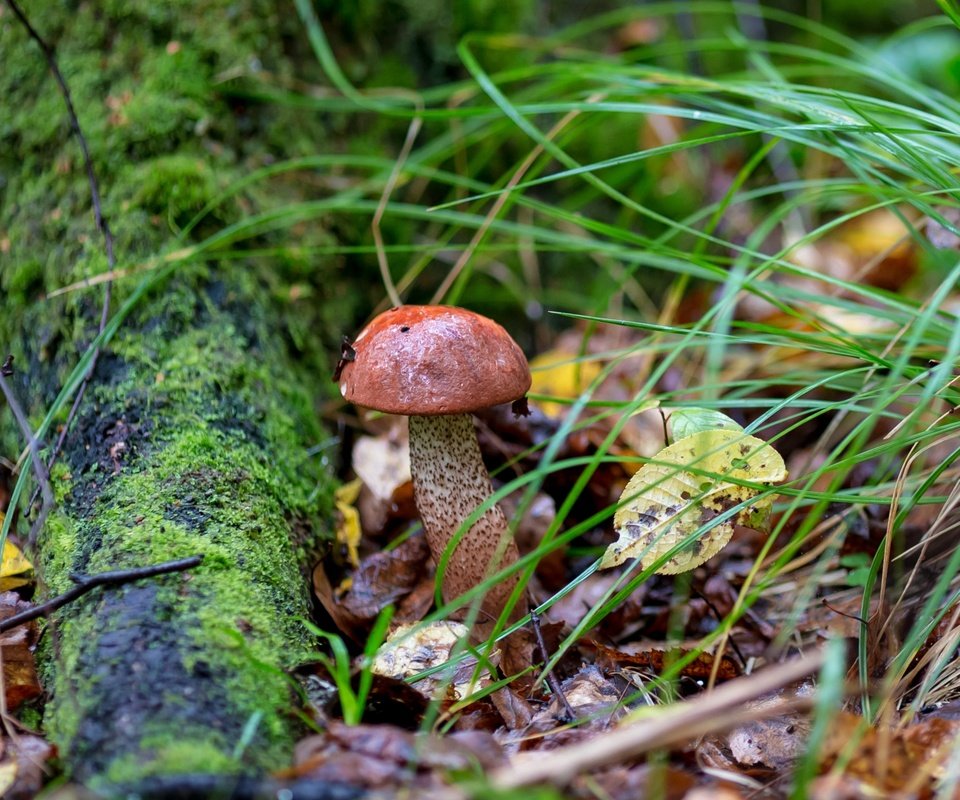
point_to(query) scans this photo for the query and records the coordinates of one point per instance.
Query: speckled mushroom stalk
(450, 482)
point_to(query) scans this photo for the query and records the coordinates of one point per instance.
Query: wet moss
(175, 187)
(193, 434)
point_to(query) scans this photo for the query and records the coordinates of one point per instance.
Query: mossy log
(194, 434)
(192, 442)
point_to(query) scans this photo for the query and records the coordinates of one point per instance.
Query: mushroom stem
(449, 483)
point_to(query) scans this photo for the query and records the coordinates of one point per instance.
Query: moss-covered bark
(194, 434)
(193, 442)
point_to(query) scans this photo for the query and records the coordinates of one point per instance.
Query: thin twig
(712, 711)
(552, 681)
(102, 225)
(716, 612)
(84, 583)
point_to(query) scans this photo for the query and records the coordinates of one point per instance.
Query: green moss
(175, 186)
(168, 756)
(30, 717)
(60, 540)
(148, 83)
(24, 279)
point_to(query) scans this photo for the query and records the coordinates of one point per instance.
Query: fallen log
(193, 435)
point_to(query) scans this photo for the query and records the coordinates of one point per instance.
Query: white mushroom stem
(449, 483)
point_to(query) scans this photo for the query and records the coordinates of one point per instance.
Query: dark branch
(552, 681)
(102, 225)
(84, 583)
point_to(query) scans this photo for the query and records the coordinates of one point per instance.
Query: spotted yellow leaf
(685, 487)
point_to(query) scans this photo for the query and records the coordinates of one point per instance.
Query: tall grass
(826, 130)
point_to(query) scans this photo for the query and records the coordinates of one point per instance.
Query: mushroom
(436, 365)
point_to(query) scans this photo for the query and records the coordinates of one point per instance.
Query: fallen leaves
(23, 756)
(700, 666)
(887, 761)
(348, 525)
(655, 653)
(383, 578)
(20, 682)
(414, 649)
(23, 766)
(377, 756)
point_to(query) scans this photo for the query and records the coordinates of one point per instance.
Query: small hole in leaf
(739, 463)
(404, 328)
(705, 486)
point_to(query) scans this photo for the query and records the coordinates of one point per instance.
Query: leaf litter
(23, 755)
(702, 482)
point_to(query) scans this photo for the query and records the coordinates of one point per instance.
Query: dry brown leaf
(654, 660)
(23, 769)
(513, 709)
(886, 761)
(381, 579)
(415, 606)
(20, 682)
(520, 649)
(772, 743)
(594, 700)
(627, 617)
(630, 783)
(376, 756)
(590, 694)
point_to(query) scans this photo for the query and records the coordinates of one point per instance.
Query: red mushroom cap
(426, 360)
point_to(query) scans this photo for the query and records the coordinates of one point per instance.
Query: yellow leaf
(560, 374)
(688, 484)
(348, 529)
(348, 492)
(14, 562)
